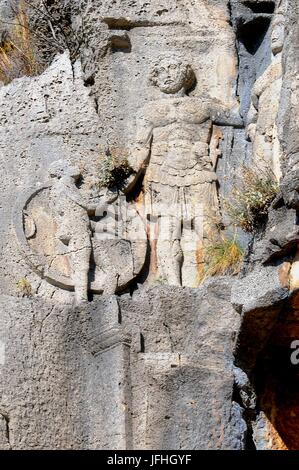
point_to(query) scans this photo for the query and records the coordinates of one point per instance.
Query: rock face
(117, 161)
(136, 372)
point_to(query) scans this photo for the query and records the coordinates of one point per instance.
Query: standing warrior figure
(262, 116)
(176, 150)
(73, 223)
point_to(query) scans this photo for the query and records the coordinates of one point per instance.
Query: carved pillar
(108, 388)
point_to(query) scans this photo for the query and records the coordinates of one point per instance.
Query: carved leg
(169, 253)
(111, 283)
(169, 256)
(192, 265)
(80, 260)
(192, 247)
(177, 261)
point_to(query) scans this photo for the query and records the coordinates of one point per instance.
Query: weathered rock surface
(102, 344)
(151, 371)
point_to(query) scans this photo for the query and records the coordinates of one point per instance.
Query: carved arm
(75, 196)
(224, 116)
(140, 153)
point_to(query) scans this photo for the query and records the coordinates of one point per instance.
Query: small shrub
(223, 256)
(17, 57)
(250, 199)
(160, 280)
(24, 287)
(114, 170)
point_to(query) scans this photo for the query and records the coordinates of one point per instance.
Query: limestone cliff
(149, 242)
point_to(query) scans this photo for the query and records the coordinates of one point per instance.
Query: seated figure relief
(177, 147)
(79, 241)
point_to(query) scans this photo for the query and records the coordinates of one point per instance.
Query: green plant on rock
(223, 256)
(251, 198)
(24, 287)
(114, 169)
(160, 280)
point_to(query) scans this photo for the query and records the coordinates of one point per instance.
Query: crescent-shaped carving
(37, 262)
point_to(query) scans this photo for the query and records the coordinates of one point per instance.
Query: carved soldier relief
(77, 242)
(177, 147)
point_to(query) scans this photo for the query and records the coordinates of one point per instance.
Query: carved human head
(61, 168)
(278, 33)
(171, 75)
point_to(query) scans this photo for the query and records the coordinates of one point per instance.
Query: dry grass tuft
(251, 198)
(223, 256)
(17, 57)
(24, 288)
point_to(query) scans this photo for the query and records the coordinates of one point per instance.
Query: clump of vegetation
(114, 169)
(24, 287)
(224, 256)
(17, 57)
(251, 198)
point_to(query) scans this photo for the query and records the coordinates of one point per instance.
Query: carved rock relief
(69, 244)
(265, 100)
